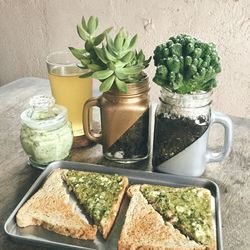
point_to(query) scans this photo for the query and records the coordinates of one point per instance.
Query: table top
(16, 177)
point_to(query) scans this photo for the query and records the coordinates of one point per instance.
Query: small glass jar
(180, 120)
(46, 134)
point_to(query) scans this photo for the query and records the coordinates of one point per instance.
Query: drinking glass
(67, 88)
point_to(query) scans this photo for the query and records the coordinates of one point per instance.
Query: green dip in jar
(46, 134)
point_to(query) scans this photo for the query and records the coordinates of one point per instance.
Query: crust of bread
(106, 225)
(132, 189)
(136, 188)
(144, 228)
(51, 208)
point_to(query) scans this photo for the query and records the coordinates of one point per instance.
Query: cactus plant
(112, 61)
(186, 65)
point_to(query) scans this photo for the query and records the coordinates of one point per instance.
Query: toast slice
(187, 209)
(99, 194)
(144, 228)
(52, 208)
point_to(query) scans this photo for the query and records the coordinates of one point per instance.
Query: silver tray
(38, 236)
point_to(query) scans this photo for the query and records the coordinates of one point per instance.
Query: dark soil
(134, 143)
(173, 134)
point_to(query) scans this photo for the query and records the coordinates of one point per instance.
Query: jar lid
(44, 113)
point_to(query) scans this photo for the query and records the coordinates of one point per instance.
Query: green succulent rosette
(112, 61)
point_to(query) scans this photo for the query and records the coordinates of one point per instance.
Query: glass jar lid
(44, 113)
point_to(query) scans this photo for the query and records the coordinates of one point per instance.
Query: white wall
(30, 29)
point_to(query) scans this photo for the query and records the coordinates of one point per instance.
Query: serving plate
(42, 237)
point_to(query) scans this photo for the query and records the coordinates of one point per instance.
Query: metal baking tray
(41, 237)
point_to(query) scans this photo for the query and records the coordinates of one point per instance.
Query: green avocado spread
(95, 192)
(188, 209)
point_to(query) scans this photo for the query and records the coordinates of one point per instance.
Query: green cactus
(185, 65)
(112, 61)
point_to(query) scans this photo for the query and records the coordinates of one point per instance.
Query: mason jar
(46, 134)
(124, 122)
(182, 123)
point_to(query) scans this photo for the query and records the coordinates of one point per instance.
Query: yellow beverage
(72, 92)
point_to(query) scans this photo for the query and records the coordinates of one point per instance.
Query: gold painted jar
(124, 122)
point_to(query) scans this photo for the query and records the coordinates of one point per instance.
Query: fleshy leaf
(109, 55)
(119, 39)
(78, 53)
(122, 86)
(92, 25)
(86, 75)
(84, 25)
(94, 67)
(132, 70)
(82, 33)
(101, 55)
(107, 84)
(133, 42)
(110, 43)
(103, 74)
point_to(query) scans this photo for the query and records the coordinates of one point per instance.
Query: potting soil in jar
(134, 142)
(175, 133)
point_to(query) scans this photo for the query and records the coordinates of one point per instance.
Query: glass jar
(46, 134)
(124, 122)
(180, 120)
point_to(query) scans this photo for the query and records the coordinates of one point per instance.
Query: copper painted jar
(124, 122)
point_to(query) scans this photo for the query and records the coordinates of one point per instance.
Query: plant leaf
(86, 75)
(81, 66)
(101, 55)
(98, 39)
(120, 64)
(119, 39)
(94, 67)
(123, 53)
(84, 25)
(85, 61)
(78, 53)
(132, 42)
(107, 84)
(128, 57)
(108, 55)
(82, 33)
(126, 43)
(146, 62)
(97, 22)
(110, 44)
(122, 86)
(92, 25)
(103, 74)
(132, 70)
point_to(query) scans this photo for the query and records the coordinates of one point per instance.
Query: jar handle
(95, 137)
(226, 122)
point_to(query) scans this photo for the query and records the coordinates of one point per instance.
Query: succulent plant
(116, 61)
(186, 65)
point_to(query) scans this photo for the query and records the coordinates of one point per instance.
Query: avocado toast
(55, 209)
(187, 209)
(99, 194)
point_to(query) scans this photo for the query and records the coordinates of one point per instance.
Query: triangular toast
(188, 209)
(144, 228)
(52, 208)
(99, 194)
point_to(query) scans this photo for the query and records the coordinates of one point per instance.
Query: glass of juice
(67, 88)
